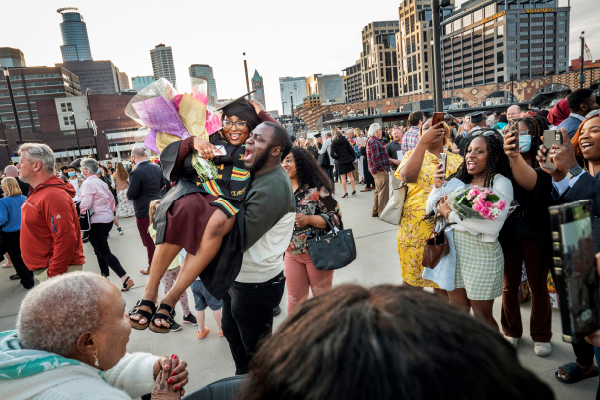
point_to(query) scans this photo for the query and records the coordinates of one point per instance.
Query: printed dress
(124, 207)
(413, 230)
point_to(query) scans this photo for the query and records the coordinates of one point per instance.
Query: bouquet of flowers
(171, 117)
(474, 202)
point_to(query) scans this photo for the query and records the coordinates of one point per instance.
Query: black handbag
(332, 251)
(85, 223)
(324, 159)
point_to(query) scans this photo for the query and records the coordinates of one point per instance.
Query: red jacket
(50, 233)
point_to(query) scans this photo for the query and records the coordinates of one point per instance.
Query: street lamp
(12, 101)
(76, 135)
(87, 96)
(292, 107)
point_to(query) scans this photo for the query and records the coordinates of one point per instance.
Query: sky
(280, 38)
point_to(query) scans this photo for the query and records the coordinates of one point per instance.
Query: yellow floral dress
(413, 231)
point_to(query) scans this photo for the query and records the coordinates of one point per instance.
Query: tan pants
(356, 178)
(42, 274)
(382, 194)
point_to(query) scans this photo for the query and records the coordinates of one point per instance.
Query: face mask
(525, 143)
(71, 174)
(99, 171)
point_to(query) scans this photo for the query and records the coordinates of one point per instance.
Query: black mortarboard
(476, 117)
(241, 109)
(317, 135)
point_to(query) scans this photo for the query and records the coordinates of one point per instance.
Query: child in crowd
(170, 276)
(203, 299)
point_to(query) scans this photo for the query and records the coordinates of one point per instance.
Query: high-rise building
(30, 85)
(102, 77)
(328, 86)
(162, 63)
(10, 57)
(76, 45)
(124, 81)
(205, 71)
(482, 42)
(258, 85)
(297, 88)
(379, 60)
(353, 83)
(414, 48)
(140, 82)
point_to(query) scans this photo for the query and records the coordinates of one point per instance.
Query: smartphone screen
(220, 151)
(443, 157)
(579, 270)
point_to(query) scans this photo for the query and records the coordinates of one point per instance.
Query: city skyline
(266, 46)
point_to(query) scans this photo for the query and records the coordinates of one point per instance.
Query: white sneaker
(513, 341)
(542, 349)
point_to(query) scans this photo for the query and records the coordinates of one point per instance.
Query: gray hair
(351, 130)
(373, 129)
(39, 152)
(71, 303)
(328, 134)
(11, 171)
(138, 152)
(90, 164)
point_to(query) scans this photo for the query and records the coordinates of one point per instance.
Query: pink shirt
(95, 194)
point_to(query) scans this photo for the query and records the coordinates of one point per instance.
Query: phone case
(437, 118)
(443, 158)
(551, 137)
(567, 287)
(513, 127)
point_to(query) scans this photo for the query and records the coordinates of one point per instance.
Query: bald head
(138, 152)
(513, 112)
(11, 171)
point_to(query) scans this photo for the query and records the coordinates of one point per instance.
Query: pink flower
(473, 193)
(488, 203)
(478, 207)
(501, 205)
(485, 213)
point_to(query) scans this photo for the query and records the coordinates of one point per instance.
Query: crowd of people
(241, 238)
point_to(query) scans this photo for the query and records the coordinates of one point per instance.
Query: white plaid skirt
(479, 266)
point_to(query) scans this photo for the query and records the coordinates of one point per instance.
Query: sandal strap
(143, 313)
(168, 318)
(125, 283)
(167, 308)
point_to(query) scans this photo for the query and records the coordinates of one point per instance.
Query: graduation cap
(242, 109)
(227, 104)
(317, 135)
(476, 117)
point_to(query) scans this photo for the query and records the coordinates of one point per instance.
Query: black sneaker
(85, 240)
(121, 231)
(276, 311)
(176, 327)
(190, 319)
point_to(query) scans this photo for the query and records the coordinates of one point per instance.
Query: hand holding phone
(437, 118)
(551, 137)
(219, 151)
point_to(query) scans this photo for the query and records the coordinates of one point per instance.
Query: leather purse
(436, 247)
(392, 213)
(334, 250)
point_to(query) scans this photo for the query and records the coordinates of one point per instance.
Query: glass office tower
(76, 46)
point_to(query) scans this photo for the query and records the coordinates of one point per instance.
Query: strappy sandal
(127, 284)
(145, 314)
(165, 317)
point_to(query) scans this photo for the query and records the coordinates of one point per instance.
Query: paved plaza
(209, 359)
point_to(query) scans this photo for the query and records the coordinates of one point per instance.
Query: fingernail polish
(170, 380)
(174, 373)
(167, 366)
(174, 357)
(175, 387)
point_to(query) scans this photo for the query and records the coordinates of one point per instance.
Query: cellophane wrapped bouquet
(171, 117)
(474, 202)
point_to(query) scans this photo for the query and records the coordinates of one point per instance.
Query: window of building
(425, 57)
(562, 26)
(562, 51)
(538, 32)
(512, 55)
(524, 59)
(562, 39)
(562, 64)
(500, 31)
(478, 15)
(524, 24)
(447, 29)
(456, 25)
(536, 23)
(523, 50)
(512, 29)
(490, 10)
(499, 45)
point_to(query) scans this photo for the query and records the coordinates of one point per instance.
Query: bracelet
(448, 213)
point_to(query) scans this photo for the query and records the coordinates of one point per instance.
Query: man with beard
(270, 210)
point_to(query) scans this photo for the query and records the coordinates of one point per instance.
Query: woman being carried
(197, 215)
(479, 258)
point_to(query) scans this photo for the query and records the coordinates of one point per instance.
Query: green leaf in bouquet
(492, 197)
(205, 169)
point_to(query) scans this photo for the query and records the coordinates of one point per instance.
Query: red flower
(314, 196)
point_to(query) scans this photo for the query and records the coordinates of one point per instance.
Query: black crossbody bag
(334, 250)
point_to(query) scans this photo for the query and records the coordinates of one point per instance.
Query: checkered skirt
(479, 266)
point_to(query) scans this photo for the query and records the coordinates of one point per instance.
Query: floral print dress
(413, 230)
(311, 201)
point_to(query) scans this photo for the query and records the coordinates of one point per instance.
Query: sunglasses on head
(482, 133)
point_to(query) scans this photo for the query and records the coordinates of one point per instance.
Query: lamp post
(87, 96)
(581, 75)
(246, 70)
(437, 62)
(12, 102)
(76, 135)
(292, 107)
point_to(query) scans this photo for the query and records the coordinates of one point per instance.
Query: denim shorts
(203, 299)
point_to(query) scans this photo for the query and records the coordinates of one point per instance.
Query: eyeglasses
(239, 125)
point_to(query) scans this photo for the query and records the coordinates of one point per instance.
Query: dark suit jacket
(145, 183)
(587, 187)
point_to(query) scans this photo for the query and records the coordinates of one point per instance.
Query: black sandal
(145, 314)
(127, 284)
(15, 277)
(168, 318)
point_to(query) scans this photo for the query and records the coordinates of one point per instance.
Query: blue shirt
(10, 213)
(571, 124)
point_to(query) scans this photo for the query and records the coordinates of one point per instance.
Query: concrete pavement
(377, 263)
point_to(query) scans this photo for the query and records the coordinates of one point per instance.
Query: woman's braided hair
(496, 163)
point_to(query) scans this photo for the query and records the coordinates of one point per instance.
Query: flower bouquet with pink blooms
(475, 202)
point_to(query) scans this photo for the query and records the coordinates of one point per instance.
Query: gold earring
(96, 359)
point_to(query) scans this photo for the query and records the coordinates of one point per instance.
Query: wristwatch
(573, 172)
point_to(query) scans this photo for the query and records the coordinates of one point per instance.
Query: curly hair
(535, 131)
(308, 172)
(496, 163)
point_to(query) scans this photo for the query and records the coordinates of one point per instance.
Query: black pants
(369, 180)
(248, 317)
(329, 171)
(11, 241)
(99, 241)
(583, 351)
